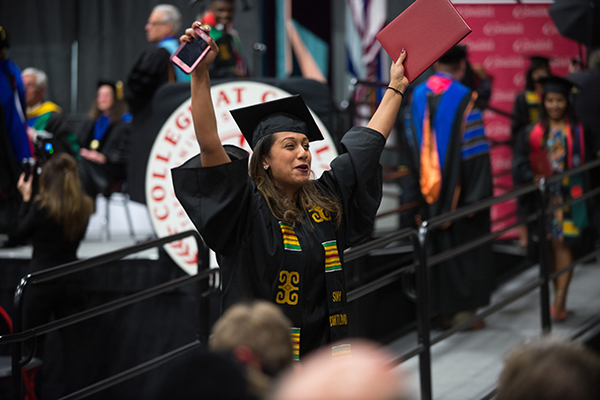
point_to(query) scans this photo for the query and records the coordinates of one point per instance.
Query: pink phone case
(184, 64)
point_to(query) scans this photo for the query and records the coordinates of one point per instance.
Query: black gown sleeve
(220, 200)
(521, 168)
(355, 178)
(520, 115)
(476, 179)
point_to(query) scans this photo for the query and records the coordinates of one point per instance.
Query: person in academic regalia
(47, 125)
(526, 111)
(553, 145)
(278, 235)
(449, 155)
(153, 68)
(527, 104)
(230, 62)
(104, 140)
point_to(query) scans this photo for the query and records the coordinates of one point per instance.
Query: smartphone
(189, 54)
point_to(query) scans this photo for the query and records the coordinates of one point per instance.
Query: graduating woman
(279, 235)
(552, 146)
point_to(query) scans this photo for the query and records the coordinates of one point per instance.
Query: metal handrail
(423, 262)
(20, 336)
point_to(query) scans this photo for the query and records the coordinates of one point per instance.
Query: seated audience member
(258, 335)
(230, 62)
(550, 369)
(104, 140)
(36, 84)
(153, 68)
(46, 123)
(364, 373)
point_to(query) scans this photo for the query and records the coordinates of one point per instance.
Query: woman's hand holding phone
(207, 57)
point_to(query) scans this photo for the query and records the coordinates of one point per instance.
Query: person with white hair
(47, 126)
(163, 24)
(154, 68)
(36, 83)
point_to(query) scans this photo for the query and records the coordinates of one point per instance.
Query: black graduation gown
(150, 71)
(524, 113)
(235, 221)
(115, 146)
(463, 282)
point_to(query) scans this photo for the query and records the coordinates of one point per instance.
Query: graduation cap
(289, 114)
(556, 84)
(454, 55)
(539, 62)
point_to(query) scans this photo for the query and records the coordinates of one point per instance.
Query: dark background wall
(78, 42)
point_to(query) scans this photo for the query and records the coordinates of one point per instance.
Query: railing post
(17, 349)
(203, 300)
(544, 249)
(422, 306)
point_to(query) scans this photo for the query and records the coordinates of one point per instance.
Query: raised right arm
(205, 123)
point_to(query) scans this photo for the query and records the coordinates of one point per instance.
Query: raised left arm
(385, 116)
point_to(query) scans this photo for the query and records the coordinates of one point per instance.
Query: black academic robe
(115, 146)
(525, 111)
(463, 282)
(235, 221)
(150, 71)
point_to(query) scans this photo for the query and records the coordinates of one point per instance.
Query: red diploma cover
(538, 158)
(426, 29)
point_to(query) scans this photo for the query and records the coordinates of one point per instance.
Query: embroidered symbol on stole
(286, 295)
(319, 215)
(290, 240)
(332, 258)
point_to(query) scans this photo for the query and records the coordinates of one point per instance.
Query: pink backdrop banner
(503, 37)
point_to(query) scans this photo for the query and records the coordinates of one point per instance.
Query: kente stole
(289, 289)
(575, 216)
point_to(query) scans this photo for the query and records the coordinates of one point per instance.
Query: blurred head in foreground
(363, 374)
(258, 336)
(550, 369)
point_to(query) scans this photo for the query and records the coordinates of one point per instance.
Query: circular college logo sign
(176, 143)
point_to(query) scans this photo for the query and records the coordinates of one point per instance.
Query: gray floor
(467, 364)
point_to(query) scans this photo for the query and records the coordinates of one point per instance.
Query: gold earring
(266, 167)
